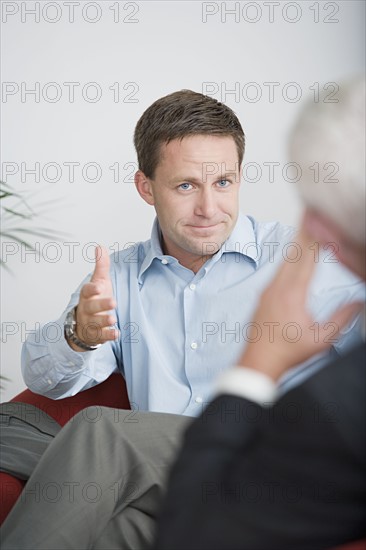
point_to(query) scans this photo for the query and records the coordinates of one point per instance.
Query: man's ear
(143, 186)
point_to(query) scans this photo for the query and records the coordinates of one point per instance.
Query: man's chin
(205, 240)
(205, 246)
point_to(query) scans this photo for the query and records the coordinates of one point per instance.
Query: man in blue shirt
(180, 308)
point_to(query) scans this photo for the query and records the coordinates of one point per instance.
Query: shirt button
(198, 399)
(192, 286)
(49, 381)
(194, 345)
(164, 261)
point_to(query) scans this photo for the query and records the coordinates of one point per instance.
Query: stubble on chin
(204, 246)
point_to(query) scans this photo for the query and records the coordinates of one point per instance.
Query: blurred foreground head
(328, 142)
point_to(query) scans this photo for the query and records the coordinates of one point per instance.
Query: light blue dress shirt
(179, 329)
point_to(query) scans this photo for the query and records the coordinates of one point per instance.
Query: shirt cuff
(248, 383)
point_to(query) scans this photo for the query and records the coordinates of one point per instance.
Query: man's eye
(223, 183)
(185, 186)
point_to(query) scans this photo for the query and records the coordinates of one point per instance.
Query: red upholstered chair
(111, 393)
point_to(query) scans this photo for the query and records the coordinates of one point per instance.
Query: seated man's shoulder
(331, 272)
(273, 232)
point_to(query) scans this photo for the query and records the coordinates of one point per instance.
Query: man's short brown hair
(178, 115)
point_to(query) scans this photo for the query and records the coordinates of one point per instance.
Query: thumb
(102, 264)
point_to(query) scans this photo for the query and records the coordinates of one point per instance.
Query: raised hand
(282, 305)
(93, 320)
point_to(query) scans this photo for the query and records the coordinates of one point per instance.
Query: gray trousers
(99, 483)
(25, 433)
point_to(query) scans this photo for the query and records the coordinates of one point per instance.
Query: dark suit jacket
(287, 476)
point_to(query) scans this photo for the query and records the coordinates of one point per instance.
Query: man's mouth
(204, 226)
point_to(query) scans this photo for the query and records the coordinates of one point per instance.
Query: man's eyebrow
(193, 179)
(180, 179)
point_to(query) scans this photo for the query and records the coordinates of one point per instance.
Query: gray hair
(332, 134)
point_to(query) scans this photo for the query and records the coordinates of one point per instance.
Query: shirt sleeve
(50, 367)
(248, 383)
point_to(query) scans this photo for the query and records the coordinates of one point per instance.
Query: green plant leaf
(14, 213)
(20, 211)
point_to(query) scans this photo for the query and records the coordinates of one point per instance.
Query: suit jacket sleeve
(290, 476)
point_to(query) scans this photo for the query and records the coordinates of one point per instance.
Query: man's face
(195, 195)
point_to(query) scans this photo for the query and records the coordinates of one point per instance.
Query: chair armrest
(110, 393)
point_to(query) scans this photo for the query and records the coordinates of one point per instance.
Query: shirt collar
(242, 240)
(154, 250)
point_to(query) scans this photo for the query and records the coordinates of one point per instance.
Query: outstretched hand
(93, 320)
(288, 333)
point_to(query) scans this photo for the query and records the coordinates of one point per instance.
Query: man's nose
(205, 205)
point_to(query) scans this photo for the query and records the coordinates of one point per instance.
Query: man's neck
(196, 264)
(190, 261)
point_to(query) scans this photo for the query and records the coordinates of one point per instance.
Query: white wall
(159, 47)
